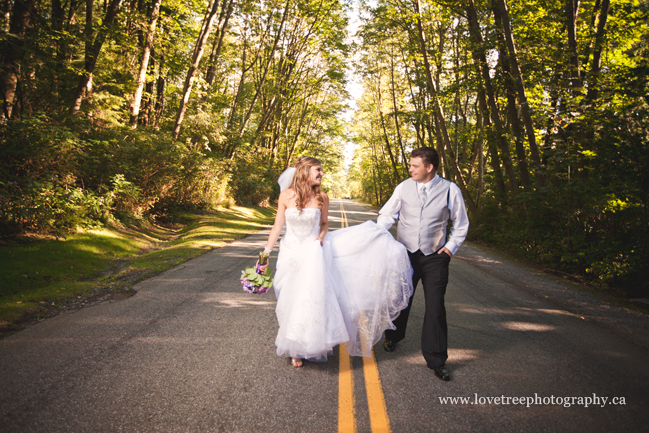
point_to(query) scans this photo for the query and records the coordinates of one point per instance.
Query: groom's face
(421, 172)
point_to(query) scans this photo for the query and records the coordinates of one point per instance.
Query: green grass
(37, 271)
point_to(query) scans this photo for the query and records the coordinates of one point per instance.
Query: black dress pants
(432, 270)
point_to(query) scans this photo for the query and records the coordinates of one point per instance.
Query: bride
(343, 287)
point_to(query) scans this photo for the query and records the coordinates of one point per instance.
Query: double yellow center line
(379, 420)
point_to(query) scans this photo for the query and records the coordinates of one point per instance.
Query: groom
(423, 206)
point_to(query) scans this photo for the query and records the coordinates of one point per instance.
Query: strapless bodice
(301, 226)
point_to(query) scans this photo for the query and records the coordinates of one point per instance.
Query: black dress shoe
(441, 372)
(389, 345)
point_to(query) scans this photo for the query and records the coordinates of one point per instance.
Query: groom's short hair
(427, 154)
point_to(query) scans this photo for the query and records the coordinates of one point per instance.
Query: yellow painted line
(346, 404)
(379, 420)
(343, 217)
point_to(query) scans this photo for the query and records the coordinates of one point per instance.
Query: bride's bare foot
(296, 362)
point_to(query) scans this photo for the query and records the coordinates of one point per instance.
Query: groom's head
(423, 164)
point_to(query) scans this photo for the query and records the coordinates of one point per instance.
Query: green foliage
(251, 183)
(268, 94)
(59, 177)
(585, 209)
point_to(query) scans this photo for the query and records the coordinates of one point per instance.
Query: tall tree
(440, 121)
(144, 64)
(199, 48)
(481, 60)
(595, 69)
(13, 48)
(222, 25)
(512, 57)
(572, 12)
(93, 48)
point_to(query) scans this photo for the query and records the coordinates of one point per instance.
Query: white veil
(286, 178)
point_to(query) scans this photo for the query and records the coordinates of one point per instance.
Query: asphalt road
(191, 352)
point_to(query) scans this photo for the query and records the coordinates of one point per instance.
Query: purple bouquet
(255, 281)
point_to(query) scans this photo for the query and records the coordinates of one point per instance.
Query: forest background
(136, 110)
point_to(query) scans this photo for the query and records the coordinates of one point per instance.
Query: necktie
(424, 192)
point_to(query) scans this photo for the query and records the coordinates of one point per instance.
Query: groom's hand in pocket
(445, 250)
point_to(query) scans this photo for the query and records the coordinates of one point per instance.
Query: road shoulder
(569, 296)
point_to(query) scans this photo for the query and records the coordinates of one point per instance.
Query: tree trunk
(396, 118)
(199, 48)
(391, 185)
(480, 157)
(62, 39)
(291, 148)
(512, 110)
(242, 128)
(92, 52)
(72, 10)
(374, 175)
(480, 58)
(593, 74)
(572, 11)
(235, 101)
(58, 15)
(493, 149)
(439, 114)
(141, 77)
(160, 94)
(385, 132)
(6, 16)
(146, 109)
(13, 54)
(522, 94)
(224, 17)
(585, 57)
(417, 122)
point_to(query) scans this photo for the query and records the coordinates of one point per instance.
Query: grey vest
(423, 226)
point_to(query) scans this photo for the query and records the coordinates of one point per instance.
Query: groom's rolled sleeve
(389, 213)
(460, 220)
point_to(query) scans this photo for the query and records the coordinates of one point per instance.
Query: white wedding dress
(347, 291)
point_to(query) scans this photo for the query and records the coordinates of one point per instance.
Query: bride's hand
(320, 240)
(262, 268)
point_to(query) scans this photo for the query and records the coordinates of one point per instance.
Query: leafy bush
(56, 176)
(251, 182)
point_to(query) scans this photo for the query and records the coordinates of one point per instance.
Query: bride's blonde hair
(301, 185)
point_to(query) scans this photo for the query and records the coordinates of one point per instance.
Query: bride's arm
(324, 219)
(279, 222)
(278, 225)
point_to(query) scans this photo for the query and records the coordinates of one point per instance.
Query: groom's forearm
(389, 213)
(385, 221)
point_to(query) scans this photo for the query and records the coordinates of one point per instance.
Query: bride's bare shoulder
(286, 195)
